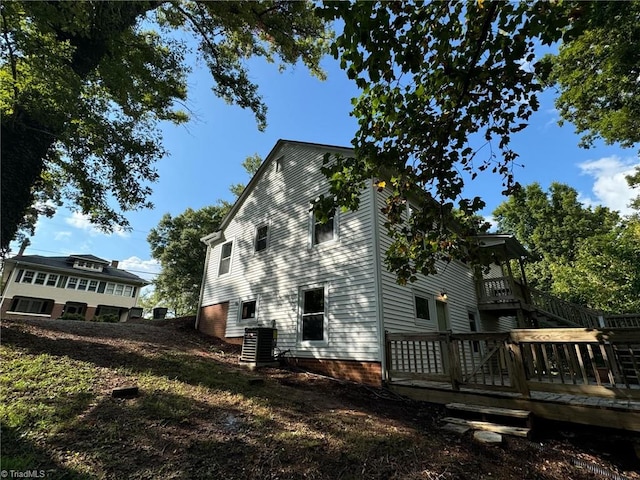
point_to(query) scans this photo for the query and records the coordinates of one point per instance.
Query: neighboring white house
(49, 287)
(324, 287)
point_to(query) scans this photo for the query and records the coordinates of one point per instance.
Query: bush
(71, 316)
(108, 318)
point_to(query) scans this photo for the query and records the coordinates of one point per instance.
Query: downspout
(204, 276)
(382, 346)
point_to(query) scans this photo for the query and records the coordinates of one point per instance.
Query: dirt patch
(200, 415)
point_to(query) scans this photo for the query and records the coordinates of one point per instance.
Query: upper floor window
(262, 234)
(323, 232)
(225, 258)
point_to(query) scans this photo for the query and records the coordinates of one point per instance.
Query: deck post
(517, 370)
(454, 361)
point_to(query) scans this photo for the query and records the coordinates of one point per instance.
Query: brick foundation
(369, 373)
(213, 321)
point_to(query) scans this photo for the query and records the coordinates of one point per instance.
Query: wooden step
(498, 412)
(489, 427)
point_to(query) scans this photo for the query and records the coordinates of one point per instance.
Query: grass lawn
(200, 415)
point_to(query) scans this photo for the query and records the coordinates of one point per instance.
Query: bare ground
(201, 415)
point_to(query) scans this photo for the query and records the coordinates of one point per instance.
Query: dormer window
(87, 265)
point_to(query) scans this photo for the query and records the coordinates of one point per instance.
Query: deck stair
(504, 421)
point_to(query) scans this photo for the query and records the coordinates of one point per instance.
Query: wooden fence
(598, 362)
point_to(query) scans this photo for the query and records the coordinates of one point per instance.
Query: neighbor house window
(52, 280)
(110, 288)
(119, 289)
(93, 285)
(312, 322)
(127, 290)
(19, 275)
(422, 308)
(82, 285)
(62, 281)
(28, 276)
(40, 278)
(323, 232)
(262, 233)
(72, 283)
(248, 310)
(31, 305)
(225, 258)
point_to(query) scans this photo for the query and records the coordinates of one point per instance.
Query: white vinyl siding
(344, 265)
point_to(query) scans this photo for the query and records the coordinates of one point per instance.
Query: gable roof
(65, 264)
(217, 236)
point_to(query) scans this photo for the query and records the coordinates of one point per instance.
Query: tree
(444, 87)
(84, 85)
(176, 244)
(582, 254)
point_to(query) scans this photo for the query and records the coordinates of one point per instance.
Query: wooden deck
(587, 376)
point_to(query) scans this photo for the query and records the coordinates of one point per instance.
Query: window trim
(230, 257)
(325, 323)
(257, 311)
(312, 228)
(430, 305)
(267, 238)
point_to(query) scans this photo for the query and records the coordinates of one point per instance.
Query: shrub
(71, 316)
(108, 318)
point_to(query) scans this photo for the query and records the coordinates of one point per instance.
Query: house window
(72, 283)
(248, 310)
(225, 258)
(262, 233)
(422, 308)
(110, 288)
(62, 281)
(119, 289)
(313, 314)
(473, 327)
(74, 308)
(28, 276)
(93, 285)
(127, 290)
(323, 232)
(279, 164)
(19, 275)
(101, 287)
(31, 305)
(52, 280)
(40, 278)
(82, 285)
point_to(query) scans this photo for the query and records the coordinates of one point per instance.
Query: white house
(49, 287)
(323, 286)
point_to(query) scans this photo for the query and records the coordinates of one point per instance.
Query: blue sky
(206, 155)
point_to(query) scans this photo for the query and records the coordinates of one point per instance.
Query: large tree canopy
(445, 85)
(585, 255)
(84, 84)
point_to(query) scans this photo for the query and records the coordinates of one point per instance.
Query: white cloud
(146, 269)
(610, 187)
(82, 222)
(61, 235)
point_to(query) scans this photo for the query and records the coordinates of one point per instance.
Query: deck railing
(562, 310)
(500, 289)
(631, 320)
(598, 362)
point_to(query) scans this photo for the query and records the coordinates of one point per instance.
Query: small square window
(262, 233)
(248, 310)
(422, 308)
(225, 258)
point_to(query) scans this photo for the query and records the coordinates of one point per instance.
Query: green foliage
(597, 74)
(582, 254)
(251, 164)
(176, 244)
(84, 84)
(71, 316)
(445, 86)
(108, 318)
